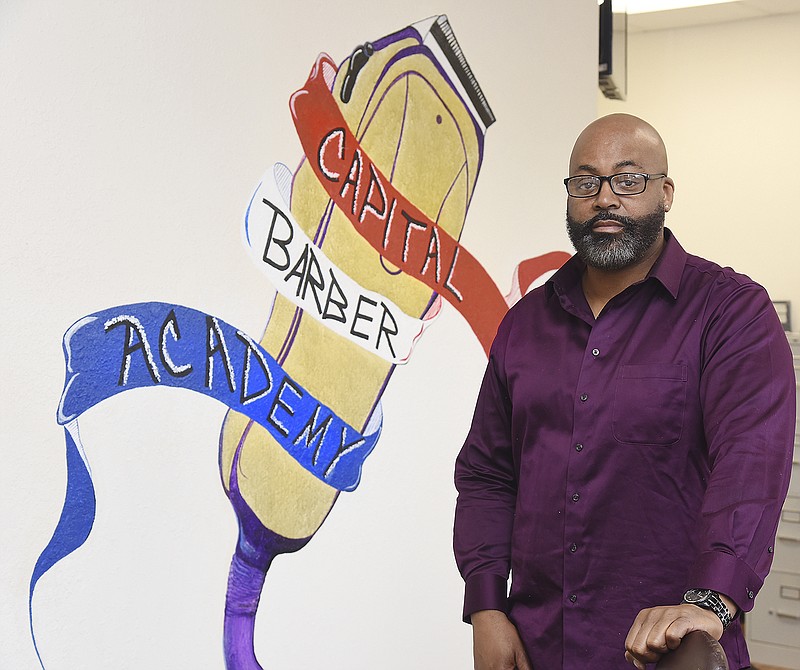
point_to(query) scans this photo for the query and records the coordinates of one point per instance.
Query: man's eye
(628, 181)
(587, 184)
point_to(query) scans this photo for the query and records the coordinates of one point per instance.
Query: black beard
(615, 251)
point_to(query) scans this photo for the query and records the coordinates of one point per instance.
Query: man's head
(612, 231)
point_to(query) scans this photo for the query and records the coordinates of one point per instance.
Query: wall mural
(361, 244)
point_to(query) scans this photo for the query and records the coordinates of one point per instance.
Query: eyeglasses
(624, 183)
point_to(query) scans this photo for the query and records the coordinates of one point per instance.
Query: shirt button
(595, 352)
(584, 397)
(579, 447)
(573, 598)
(573, 547)
(576, 497)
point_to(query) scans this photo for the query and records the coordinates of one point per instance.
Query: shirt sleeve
(487, 489)
(747, 390)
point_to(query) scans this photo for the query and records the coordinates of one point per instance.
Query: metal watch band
(709, 600)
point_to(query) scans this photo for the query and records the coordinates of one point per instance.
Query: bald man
(631, 445)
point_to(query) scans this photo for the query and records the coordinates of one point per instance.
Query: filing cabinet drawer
(794, 482)
(777, 619)
(787, 541)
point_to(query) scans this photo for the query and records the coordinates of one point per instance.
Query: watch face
(709, 600)
(696, 595)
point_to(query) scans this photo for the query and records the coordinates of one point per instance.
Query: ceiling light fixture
(645, 6)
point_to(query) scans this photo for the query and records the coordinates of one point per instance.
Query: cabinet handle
(787, 615)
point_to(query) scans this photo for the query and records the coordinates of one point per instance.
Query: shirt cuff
(726, 574)
(485, 592)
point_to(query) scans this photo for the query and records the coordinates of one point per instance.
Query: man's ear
(669, 192)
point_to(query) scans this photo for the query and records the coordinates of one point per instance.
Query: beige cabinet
(773, 627)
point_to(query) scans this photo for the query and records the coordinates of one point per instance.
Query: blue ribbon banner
(152, 344)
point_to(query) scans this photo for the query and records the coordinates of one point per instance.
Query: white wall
(132, 134)
(725, 98)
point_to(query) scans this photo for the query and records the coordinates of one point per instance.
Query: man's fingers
(668, 633)
(646, 641)
(644, 650)
(655, 631)
(675, 633)
(659, 629)
(636, 626)
(634, 661)
(496, 643)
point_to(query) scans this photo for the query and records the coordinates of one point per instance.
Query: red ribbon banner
(391, 223)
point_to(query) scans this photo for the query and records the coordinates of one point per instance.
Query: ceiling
(728, 11)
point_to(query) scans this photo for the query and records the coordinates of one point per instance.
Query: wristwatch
(709, 600)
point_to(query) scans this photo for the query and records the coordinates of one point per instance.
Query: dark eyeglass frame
(608, 178)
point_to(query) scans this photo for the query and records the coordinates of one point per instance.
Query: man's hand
(496, 644)
(657, 630)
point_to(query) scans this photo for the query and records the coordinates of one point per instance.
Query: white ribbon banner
(302, 273)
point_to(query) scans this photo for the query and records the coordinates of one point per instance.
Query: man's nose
(605, 197)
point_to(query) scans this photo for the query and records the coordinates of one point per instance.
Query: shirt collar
(668, 269)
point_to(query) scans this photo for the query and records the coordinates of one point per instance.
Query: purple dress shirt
(613, 463)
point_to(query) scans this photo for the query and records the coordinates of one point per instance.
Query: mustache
(607, 216)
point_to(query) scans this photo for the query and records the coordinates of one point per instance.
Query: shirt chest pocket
(649, 403)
